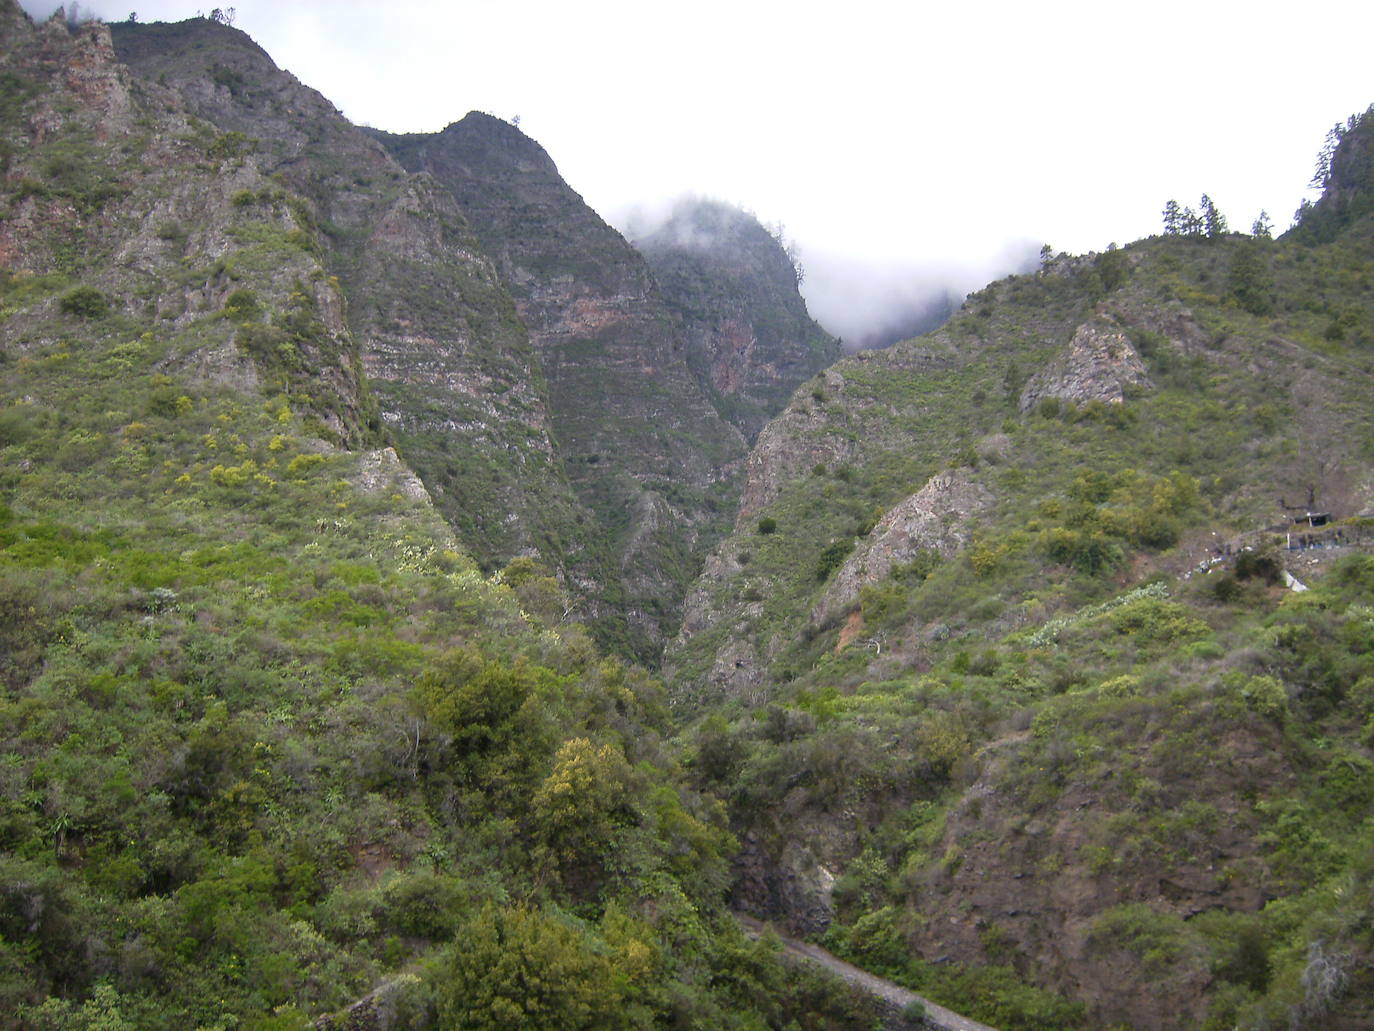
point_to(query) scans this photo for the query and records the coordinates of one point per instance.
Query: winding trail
(894, 995)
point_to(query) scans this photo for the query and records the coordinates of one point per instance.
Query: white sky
(904, 137)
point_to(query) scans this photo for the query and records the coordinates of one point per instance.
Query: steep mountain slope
(1012, 691)
(646, 451)
(749, 337)
(457, 383)
(493, 417)
(270, 740)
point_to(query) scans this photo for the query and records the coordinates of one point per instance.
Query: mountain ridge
(1002, 684)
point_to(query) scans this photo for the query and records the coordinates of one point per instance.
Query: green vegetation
(86, 302)
(269, 738)
(279, 732)
(1063, 705)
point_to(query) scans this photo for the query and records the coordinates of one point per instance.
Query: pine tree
(1213, 221)
(1173, 219)
(1263, 229)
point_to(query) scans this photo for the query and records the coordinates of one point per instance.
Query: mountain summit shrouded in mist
(855, 154)
(733, 283)
(865, 303)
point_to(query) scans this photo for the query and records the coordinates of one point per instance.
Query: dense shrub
(85, 302)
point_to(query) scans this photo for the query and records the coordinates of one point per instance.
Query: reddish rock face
(731, 360)
(733, 285)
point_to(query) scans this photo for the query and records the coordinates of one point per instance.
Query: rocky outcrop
(390, 1006)
(860, 403)
(800, 438)
(938, 518)
(794, 888)
(170, 220)
(1099, 365)
(383, 472)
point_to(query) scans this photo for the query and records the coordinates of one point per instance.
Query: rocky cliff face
(117, 190)
(645, 450)
(939, 518)
(750, 340)
(517, 349)
(454, 376)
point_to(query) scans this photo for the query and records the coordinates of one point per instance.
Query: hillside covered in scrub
(1001, 672)
(421, 607)
(272, 739)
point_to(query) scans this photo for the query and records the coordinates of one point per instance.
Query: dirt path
(897, 997)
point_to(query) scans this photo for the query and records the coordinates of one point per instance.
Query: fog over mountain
(866, 302)
(870, 303)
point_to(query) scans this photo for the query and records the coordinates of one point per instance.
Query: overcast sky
(906, 138)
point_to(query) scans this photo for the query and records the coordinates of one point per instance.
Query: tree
(520, 968)
(1173, 219)
(1113, 266)
(1213, 221)
(1322, 176)
(490, 719)
(582, 801)
(1263, 228)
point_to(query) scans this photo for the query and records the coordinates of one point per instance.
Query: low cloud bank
(871, 303)
(866, 302)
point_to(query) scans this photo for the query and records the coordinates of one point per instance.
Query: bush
(1266, 697)
(832, 557)
(1258, 565)
(768, 525)
(522, 968)
(242, 306)
(85, 302)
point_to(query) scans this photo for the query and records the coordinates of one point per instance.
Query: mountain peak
(498, 141)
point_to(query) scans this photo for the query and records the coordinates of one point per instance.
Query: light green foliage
(242, 306)
(1160, 942)
(580, 803)
(523, 968)
(1156, 622)
(1108, 512)
(1266, 696)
